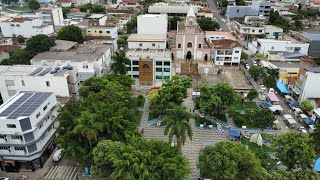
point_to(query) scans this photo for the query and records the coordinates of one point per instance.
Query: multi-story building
(152, 24)
(226, 51)
(269, 45)
(313, 40)
(147, 41)
(62, 81)
(64, 3)
(102, 31)
(217, 35)
(97, 20)
(25, 27)
(119, 17)
(90, 59)
(258, 7)
(28, 126)
(148, 67)
(52, 15)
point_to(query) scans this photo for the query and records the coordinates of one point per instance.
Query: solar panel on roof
(36, 71)
(45, 72)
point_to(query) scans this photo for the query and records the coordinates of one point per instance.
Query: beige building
(190, 41)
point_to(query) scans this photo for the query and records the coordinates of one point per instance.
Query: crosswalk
(62, 172)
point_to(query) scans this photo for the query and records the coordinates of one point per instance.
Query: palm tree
(88, 127)
(177, 124)
(119, 63)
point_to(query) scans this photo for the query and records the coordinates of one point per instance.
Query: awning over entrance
(282, 88)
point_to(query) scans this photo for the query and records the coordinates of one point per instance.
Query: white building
(25, 27)
(258, 7)
(226, 51)
(63, 82)
(148, 67)
(243, 31)
(52, 15)
(216, 35)
(309, 90)
(264, 45)
(64, 3)
(90, 59)
(273, 32)
(97, 20)
(147, 41)
(152, 24)
(28, 126)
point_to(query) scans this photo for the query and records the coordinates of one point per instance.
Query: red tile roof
(119, 11)
(63, 1)
(205, 10)
(9, 48)
(225, 44)
(18, 20)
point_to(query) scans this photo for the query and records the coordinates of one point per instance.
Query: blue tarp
(293, 103)
(309, 122)
(317, 165)
(265, 104)
(282, 88)
(234, 132)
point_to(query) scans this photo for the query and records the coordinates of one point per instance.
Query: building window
(140, 44)
(166, 69)
(199, 46)
(40, 125)
(12, 25)
(38, 115)
(89, 31)
(2, 136)
(190, 23)
(189, 45)
(272, 47)
(260, 30)
(237, 10)
(19, 148)
(44, 108)
(100, 32)
(253, 30)
(9, 82)
(48, 83)
(236, 57)
(158, 69)
(236, 51)
(22, 82)
(135, 76)
(158, 77)
(135, 62)
(108, 32)
(128, 68)
(153, 44)
(18, 25)
(4, 147)
(16, 137)
(11, 126)
(179, 45)
(159, 63)
(135, 68)
(166, 63)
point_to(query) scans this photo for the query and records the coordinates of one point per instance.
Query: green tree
(65, 11)
(40, 43)
(20, 39)
(293, 175)
(119, 63)
(226, 93)
(294, 149)
(252, 94)
(244, 55)
(93, 8)
(229, 160)
(298, 24)
(139, 159)
(173, 22)
(208, 100)
(153, 95)
(33, 5)
(254, 71)
(262, 118)
(270, 77)
(316, 138)
(208, 24)
(70, 33)
(18, 56)
(177, 124)
(306, 106)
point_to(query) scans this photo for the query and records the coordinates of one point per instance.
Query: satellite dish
(178, 70)
(206, 71)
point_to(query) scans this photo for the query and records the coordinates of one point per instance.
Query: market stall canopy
(317, 165)
(234, 132)
(309, 122)
(287, 116)
(195, 93)
(288, 97)
(265, 104)
(303, 116)
(293, 103)
(276, 108)
(291, 121)
(273, 97)
(282, 88)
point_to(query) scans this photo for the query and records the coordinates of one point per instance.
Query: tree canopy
(226, 93)
(93, 8)
(208, 24)
(33, 5)
(293, 175)
(254, 71)
(252, 94)
(262, 118)
(120, 60)
(294, 149)
(208, 100)
(306, 106)
(229, 160)
(139, 159)
(40, 43)
(173, 22)
(316, 138)
(270, 77)
(172, 93)
(70, 33)
(106, 110)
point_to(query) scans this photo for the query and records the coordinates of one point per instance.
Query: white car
(262, 88)
(247, 66)
(302, 129)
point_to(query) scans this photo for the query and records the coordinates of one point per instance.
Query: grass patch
(261, 152)
(221, 117)
(18, 8)
(200, 120)
(244, 106)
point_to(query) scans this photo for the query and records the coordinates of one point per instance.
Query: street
(212, 5)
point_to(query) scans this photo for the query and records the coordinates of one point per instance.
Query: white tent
(277, 124)
(256, 138)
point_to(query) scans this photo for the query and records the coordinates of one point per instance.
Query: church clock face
(145, 66)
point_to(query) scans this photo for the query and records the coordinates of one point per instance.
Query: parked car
(262, 88)
(247, 66)
(57, 155)
(302, 129)
(271, 90)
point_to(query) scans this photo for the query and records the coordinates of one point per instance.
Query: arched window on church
(189, 45)
(190, 23)
(179, 45)
(199, 45)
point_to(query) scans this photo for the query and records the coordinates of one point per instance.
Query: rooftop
(62, 45)
(171, 9)
(101, 27)
(96, 16)
(9, 48)
(30, 70)
(147, 37)
(225, 33)
(312, 37)
(120, 11)
(84, 52)
(149, 54)
(18, 20)
(225, 44)
(23, 104)
(297, 65)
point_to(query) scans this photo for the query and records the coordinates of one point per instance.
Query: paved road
(212, 5)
